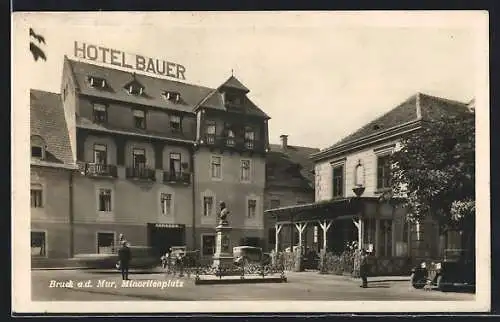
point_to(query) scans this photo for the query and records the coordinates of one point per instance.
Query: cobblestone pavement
(107, 286)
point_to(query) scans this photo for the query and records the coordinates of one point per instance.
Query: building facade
(353, 198)
(154, 158)
(289, 182)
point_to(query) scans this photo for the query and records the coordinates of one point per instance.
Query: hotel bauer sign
(122, 59)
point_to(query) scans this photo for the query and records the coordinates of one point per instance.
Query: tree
(35, 50)
(435, 171)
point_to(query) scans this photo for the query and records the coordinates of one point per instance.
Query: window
(100, 113)
(105, 200)
(135, 89)
(105, 243)
(36, 152)
(245, 170)
(369, 232)
(275, 203)
(100, 154)
(272, 236)
(139, 119)
(249, 138)
(233, 99)
(175, 123)
(210, 132)
(315, 234)
(38, 244)
(383, 172)
(166, 204)
(230, 141)
(208, 244)
(338, 181)
(97, 82)
(252, 208)
(175, 164)
(385, 238)
(139, 158)
(216, 167)
(208, 204)
(36, 196)
(172, 96)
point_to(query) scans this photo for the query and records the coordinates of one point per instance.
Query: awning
(322, 210)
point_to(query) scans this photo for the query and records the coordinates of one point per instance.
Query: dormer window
(172, 96)
(37, 147)
(97, 82)
(233, 99)
(135, 89)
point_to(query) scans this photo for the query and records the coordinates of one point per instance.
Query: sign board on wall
(122, 59)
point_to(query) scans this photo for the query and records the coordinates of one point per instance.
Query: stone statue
(224, 213)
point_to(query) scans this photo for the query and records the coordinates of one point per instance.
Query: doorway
(163, 236)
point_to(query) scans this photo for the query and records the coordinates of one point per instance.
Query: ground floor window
(208, 244)
(105, 243)
(272, 236)
(385, 238)
(38, 244)
(369, 234)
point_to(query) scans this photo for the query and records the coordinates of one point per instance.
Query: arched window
(37, 147)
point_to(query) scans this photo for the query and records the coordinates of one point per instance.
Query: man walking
(363, 268)
(124, 255)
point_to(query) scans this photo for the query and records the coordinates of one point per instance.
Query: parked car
(456, 269)
(142, 257)
(244, 255)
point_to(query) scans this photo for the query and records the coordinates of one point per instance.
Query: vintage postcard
(250, 162)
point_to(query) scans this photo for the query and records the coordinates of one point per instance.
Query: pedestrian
(363, 268)
(125, 256)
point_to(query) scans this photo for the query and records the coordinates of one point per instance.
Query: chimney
(284, 141)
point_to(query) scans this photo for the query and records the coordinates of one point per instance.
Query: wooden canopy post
(361, 227)
(325, 226)
(277, 236)
(300, 227)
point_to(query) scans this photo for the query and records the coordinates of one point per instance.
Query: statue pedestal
(223, 246)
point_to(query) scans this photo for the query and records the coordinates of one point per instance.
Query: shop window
(385, 238)
(208, 244)
(38, 244)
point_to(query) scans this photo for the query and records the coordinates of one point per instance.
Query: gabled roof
(47, 121)
(233, 82)
(191, 96)
(417, 107)
(154, 87)
(291, 167)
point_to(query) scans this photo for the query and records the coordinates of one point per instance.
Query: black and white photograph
(299, 161)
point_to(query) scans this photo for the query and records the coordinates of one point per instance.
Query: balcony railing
(176, 177)
(98, 170)
(233, 143)
(141, 173)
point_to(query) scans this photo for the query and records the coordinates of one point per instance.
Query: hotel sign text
(123, 59)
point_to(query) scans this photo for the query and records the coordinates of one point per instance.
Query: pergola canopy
(323, 210)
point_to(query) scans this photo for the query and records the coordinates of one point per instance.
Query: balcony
(141, 173)
(232, 143)
(177, 177)
(98, 170)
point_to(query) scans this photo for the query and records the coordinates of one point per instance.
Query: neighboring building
(353, 194)
(51, 170)
(155, 157)
(289, 181)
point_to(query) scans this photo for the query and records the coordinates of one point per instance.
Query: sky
(318, 75)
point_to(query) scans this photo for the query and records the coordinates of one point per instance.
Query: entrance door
(163, 236)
